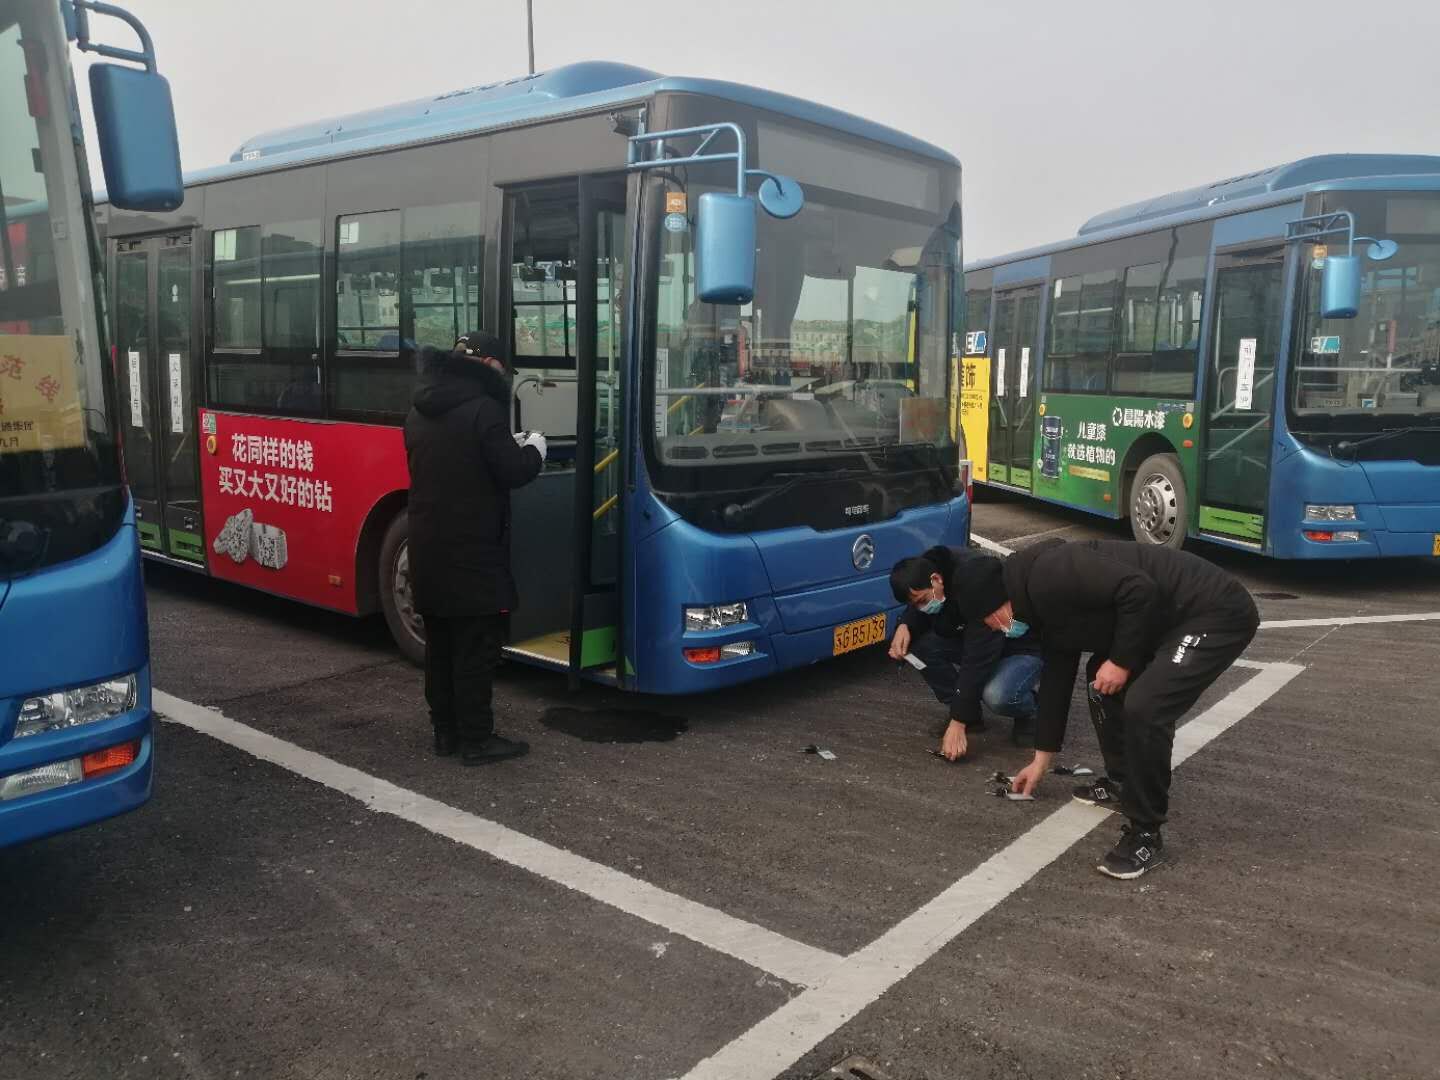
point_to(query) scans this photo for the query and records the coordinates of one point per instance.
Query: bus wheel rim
(405, 595)
(1157, 508)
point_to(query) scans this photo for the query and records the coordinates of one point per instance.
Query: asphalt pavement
(311, 894)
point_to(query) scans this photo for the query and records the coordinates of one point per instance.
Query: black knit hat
(980, 581)
(478, 343)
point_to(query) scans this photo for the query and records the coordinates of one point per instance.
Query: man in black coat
(1161, 626)
(463, 463)
(965, 661)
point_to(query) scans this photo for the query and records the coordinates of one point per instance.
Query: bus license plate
(1436, 549)
(858, 634)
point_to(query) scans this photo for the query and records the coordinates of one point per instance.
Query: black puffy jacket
(463, 464)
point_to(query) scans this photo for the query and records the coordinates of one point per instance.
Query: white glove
(520, 437)
(536, 440)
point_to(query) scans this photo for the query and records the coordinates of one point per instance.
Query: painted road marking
(783, 957)
(1348, 620)
(781, 1039)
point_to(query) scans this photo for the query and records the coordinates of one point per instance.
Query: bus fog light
(70, 708)
(737, 648)
(1327, 512)
(715, 616)
(32, 781)
(1329, 537)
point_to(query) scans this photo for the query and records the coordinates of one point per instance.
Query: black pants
(1136, 727)
(461, 654)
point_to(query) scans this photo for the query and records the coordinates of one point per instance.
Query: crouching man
(1160, 626)
(948, 592)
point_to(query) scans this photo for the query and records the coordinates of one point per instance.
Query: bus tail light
(965, 477)
(109, 759)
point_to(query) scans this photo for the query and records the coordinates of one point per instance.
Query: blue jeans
(1010, 690)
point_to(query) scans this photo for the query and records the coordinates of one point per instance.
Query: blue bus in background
(75, 719)
(1255, 362)
(731, 312)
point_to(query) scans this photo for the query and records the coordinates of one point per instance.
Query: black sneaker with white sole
(1139, 850)
(1102, 791)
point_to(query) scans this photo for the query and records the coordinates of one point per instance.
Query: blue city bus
(1255, 362)
(731, 313)
(75, 721)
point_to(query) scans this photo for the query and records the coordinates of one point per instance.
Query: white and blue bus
(75, 720)
(1254, 362)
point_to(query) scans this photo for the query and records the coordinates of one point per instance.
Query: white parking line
(1349, 620)
(991, 545)
(783, 957)
(786, 1035)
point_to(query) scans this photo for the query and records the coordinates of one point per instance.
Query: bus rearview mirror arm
(1340, 279)
(724, 223)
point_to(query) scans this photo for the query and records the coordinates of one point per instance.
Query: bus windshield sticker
(999, 372)
(675, 202)
(177, 396)
(137, 414)
(1245, 377)
(1024, 373)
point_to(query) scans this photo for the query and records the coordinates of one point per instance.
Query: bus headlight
(82, 705)
(715, 616)
(1326, 512)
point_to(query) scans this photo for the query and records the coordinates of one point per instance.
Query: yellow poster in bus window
(39, 399)
(975, 411)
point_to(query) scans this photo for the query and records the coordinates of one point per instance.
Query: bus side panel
(1086, 441)
(285, 500)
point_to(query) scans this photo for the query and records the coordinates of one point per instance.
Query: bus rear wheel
(1158, 502)
(397, 598)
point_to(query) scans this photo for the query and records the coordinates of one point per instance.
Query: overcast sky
(1057, 109)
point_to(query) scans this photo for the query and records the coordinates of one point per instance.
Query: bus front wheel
(397, 598)
(1158, 509)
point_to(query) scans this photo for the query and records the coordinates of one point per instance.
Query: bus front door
(1012, 386)
(1240, 394)
(568, 253)
(154, 289)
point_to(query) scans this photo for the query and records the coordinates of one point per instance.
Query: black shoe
(446, 743)
(1139, 850)
(495, 748)
(1102, 791)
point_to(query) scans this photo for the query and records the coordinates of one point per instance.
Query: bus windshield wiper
(1350, 445)
(736, 513)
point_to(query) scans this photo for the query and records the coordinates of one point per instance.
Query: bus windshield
(60, 493)
(1386, 360)
(842, 350)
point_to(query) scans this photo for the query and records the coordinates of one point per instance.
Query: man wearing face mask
(1161, 626)
(947, 592)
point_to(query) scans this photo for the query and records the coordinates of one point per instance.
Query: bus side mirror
(139, 148)
(1340, 287)
(725, 249)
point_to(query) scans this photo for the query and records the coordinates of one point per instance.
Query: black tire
(394, 584)
(1159, 503)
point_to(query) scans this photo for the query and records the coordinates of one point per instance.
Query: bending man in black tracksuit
(965, 661)
(463, 463)
(1160, 626)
